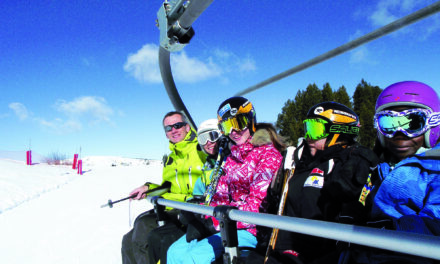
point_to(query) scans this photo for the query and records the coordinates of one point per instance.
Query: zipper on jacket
(177, 179)
(190, 178)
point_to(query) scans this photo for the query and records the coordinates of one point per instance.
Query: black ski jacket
(331, 186)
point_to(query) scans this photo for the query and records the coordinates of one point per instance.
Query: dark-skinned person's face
(401, 146)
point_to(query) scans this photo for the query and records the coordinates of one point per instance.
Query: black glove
(197, 226)
(185, 217)
(196, 199)
(223, 143)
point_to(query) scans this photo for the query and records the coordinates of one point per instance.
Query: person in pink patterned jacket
(248, 171)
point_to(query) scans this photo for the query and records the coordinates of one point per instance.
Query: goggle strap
(333, 141)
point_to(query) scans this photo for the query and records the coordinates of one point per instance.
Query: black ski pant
(135, 246)
(161, 238)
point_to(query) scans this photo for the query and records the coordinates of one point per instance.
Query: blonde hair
(278, 141)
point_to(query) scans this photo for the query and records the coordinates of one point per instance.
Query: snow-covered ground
(50, 214)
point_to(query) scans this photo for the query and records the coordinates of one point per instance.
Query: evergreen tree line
(289, 123)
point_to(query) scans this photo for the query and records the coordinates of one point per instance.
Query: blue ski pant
(205, 250)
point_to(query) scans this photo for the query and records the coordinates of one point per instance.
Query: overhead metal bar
(170, 86)
(174, 20)
(402, 22)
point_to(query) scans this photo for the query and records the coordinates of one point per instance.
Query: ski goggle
(238, 123)
(314, 128)
(211, 136)
(177, 125)
(411, 122)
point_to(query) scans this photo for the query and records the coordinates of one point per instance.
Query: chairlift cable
(389, 28)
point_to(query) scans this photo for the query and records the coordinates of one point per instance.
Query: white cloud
(382, 15)
(144, 65)
(387, 11)
(190, 70)
(233, 63)
(247, 65)
(432, 28)
(86, 108)
(60, 126)
(358, 55)
(20, 110)
(92, 108)
(86, 105)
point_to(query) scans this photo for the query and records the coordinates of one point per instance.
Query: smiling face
(401, 146)
(239, 137)
(175, 135)
(209, 147)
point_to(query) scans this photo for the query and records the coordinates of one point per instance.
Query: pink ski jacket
(248, 172)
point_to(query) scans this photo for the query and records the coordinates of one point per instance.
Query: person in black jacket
(326, 178)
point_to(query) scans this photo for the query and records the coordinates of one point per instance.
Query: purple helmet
(411, 93)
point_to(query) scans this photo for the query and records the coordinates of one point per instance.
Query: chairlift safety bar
(403, 242)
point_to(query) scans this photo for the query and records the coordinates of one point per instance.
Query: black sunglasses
(177, 125)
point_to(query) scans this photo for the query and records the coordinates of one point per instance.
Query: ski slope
(50, 214)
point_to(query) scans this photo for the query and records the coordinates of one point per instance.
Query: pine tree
(327, 93)
(341, 96)
(364, 100)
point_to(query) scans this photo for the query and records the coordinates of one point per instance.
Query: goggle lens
(212, 136)
(177, 125)
(238, 123)
(412, 122)
(315, 129)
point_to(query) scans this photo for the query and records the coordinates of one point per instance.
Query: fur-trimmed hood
(261, 137)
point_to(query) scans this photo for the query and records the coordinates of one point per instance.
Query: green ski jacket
(182, 168)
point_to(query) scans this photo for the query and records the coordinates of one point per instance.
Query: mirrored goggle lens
(212, 136)
(237, 123)
(177, 125)
(411, 122)
(315, 129)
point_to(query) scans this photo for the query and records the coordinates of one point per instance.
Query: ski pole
(165, 187)
(110, 202)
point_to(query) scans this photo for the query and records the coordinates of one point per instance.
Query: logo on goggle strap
(233, 111)
(434, 120)
(318, 110)
(337, 129)
(344, 113)
(224, 109)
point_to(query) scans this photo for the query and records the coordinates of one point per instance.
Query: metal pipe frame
(403, 242)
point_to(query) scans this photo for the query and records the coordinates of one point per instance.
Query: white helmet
(208, 130)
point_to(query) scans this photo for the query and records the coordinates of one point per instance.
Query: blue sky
(84, 74)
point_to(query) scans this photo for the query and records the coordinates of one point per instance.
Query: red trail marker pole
(75, 161)
(29, 157)
(80, 172)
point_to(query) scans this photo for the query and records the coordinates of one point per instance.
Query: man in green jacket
(182, 169)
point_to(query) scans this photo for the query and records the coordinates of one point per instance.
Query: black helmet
(236, 113)
(340, 122)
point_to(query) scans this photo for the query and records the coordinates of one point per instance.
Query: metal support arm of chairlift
(398, 241)
(175, 19)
